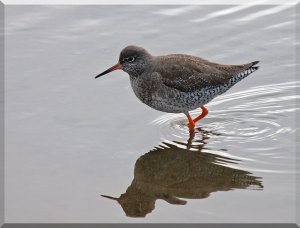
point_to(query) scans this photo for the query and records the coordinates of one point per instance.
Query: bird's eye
(130, 59)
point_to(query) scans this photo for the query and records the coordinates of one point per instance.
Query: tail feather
(236, 77)
(244, 73)
(248, 70)
(254, 63)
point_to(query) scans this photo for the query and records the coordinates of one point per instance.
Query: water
(71, 138)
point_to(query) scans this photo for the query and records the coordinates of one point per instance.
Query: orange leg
(203, 114)
(191, 122)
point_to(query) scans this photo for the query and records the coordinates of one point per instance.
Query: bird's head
(132, 60)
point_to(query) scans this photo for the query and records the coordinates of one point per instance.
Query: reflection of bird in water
(169, 172)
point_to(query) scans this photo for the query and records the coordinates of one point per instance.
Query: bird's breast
(143, 89)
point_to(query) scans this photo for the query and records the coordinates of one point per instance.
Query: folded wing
(188, 73)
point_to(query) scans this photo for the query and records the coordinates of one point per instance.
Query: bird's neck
(136, 73)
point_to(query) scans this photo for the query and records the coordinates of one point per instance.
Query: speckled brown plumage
(178, 83)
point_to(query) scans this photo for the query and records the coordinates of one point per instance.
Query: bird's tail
(250, 68)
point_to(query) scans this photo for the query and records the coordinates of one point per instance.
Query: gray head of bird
(133, 60)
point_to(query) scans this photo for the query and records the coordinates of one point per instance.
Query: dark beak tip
(115, 67)
(99, 75)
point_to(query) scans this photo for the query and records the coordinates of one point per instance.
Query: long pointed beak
(115, 67)
(110, 197)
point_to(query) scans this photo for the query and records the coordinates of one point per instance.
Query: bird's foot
(191, 122)
(203, 114)
(191, 126)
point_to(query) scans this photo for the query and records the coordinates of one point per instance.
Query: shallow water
(70, 138)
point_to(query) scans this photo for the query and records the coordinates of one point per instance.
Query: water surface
(70, 138)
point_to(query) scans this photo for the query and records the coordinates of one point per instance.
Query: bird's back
(189, 73)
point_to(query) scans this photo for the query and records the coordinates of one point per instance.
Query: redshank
(178, 83)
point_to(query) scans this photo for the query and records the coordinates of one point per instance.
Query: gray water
(70, 138)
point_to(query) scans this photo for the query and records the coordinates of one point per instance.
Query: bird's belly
(166, 99)
(174, 101)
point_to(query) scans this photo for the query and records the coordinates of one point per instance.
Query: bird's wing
(188, 73)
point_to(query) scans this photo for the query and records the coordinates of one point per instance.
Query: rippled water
(262, 105)
(71, 139)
